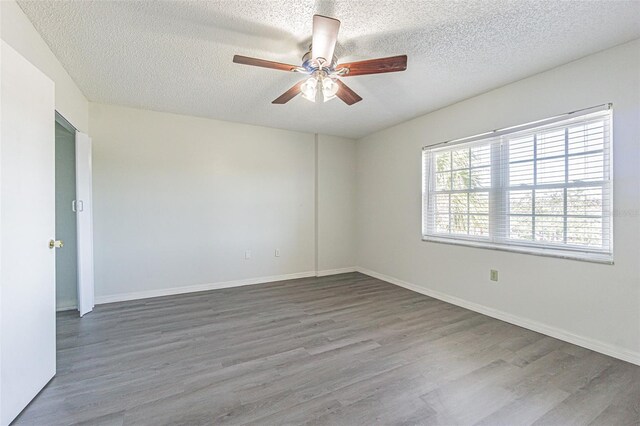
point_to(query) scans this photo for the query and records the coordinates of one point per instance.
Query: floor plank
(346, 349)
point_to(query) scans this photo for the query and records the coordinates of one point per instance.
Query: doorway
(74, 218)
(66, 230)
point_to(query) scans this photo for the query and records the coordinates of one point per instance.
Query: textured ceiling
(176, 56)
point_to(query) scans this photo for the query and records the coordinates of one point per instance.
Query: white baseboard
(595, 345)
(121, 297)
(335, 271)
(66, 307)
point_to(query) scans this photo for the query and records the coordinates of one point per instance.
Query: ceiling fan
(323, 69)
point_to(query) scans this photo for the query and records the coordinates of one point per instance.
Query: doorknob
(56, 244)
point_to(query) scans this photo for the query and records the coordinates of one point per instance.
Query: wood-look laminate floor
(341, 350)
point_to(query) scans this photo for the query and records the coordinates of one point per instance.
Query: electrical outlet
(277, 253)
(493, 275)
(247, 254)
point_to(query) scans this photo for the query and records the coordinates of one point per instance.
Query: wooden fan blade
(289, 94)
(245, 60)
(325, 36)
(346, 94)
(375, 66)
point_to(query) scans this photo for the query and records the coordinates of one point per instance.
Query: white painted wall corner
(335, 271)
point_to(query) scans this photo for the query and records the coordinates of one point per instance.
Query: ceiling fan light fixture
(309, 89)
(329, 89)
(323, 69)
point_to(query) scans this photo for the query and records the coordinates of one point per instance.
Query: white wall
(590, 303)
(178, 200)
(18, 32)
(336, 203)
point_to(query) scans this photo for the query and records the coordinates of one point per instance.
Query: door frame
(60, 119)
(65, 123)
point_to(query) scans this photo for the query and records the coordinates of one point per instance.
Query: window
(541, 188)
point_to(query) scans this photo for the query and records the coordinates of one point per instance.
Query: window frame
(497, 238)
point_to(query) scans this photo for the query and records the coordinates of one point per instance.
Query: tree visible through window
(544, 186)
(463, 180)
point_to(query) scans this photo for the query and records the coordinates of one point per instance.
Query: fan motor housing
(312, 65)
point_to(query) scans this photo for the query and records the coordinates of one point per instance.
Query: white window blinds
(542, 188)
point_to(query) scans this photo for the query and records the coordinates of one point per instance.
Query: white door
(27, 223)
(84, 221)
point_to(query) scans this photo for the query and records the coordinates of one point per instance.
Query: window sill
(603, 258)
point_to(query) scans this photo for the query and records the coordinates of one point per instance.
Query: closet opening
(74, 222)
(67, 255)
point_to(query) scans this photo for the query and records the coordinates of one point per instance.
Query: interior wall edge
(555, 332)
(336, 161)
(316, 208)
(337, 271)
